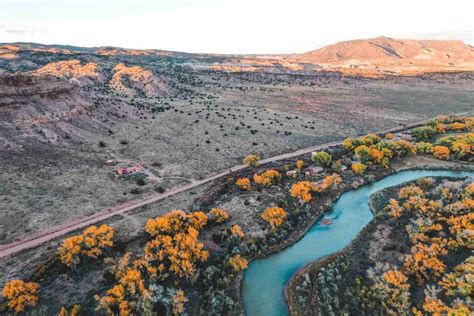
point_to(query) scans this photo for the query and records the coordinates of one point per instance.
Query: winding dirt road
(60, 230)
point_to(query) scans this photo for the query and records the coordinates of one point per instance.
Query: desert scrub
(318, 290)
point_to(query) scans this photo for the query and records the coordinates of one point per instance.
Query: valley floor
(67, 180)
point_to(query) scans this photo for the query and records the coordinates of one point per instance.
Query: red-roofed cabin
(129, 170)
(110, 162)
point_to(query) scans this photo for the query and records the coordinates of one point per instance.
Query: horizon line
(235, 54)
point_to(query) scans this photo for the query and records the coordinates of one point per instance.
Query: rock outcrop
(136, 81)
(74, 71)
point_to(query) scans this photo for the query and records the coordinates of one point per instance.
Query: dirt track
(60, 230)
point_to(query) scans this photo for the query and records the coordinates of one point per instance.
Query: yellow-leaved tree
(178, 254)
(274, 216)
(300, 164)
(252, 161)
(21, 294)
(175, 221)
(267, 178)
(219, 215)
(236, 230)
(441, 152)
(238, 263)
(91, 243)
(175, 248)
(302, 191)
(178, 301)
(74, 311)
(359, 168)
(243, 183)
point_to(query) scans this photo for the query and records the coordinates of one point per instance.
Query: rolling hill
(365, 57)
(386, 55)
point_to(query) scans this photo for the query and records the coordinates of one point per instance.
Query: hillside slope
(73, 70)
(384, 54)
(130, 81)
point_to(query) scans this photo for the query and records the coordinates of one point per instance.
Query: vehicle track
(60, 230)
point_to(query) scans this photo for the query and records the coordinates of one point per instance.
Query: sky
(230, 26)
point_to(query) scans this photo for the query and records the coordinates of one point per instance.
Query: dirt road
(60, 230)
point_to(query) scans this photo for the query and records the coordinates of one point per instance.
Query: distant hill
(386, 54)
(366, 57)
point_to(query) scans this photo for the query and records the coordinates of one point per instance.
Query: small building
(129, 170)
(313, 171)
(110, 162)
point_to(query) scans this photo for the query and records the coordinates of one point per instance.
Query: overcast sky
(230, 26)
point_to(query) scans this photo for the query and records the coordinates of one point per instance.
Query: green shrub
(424, 148)
(321, 158)
(446, 141)
(423, 133)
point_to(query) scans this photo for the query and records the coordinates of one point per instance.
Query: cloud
(463, 35)
(21, 33)
(17, 32)
(466, 36)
